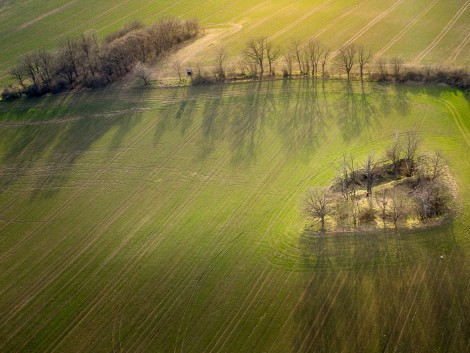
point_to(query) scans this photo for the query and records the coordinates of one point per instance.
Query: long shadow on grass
(215, 121)
(43, 150)
(355, 110)
(384, 293)
(248, 121)
(176, 113)
(303, 113)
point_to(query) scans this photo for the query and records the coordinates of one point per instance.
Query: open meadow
(421, 32)
(168, 220)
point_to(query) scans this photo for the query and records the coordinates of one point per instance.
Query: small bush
(60, 86)
(10, 93)
(95, 82)
(367, 216)
(201, 79)
(36, 91)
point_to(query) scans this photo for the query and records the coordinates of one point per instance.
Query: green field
(419, 31)
(167, 220)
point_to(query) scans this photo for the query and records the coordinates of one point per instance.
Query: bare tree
(221, 55)
(382, 200)
(255, 51)
(272, 55)
(324, 60)
(433, 198)
(437, 166)
(342, 179)
(143, 73)
(397, 207)
(411, 145)
(179, 68)
(381, 64)
(140, 42)
(289, 60)
(315, 53)
(425, 197)
(347, 177)
(430, 167)
(317, 204)
(396, 64)
(370, 173)
(297, 54)
(19, 74)
(347, 58)
(89, 48)
(68, 60)
(32, 67)
(305, 63)
(394, 153)
(364, 56)
(46, 66)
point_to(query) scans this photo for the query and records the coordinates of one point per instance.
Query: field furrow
(444, 31)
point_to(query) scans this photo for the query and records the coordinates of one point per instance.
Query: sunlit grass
(166, 219)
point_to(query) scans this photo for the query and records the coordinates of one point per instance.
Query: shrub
(60, 86)
(367, 216)
(201, 79)
(95, 82)
(36, 91)
(10, 93)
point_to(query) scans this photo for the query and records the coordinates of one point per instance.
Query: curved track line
(444, 31)
(240, 318)
(124, 205)
(62, 268)
(457, 119)
(45, 219)
(258, 23)
(300, 19)
(456, 52)
(45, 15)
(406, 29)
(209, 261)
(372, 23)
(332, 23)
(146, 248)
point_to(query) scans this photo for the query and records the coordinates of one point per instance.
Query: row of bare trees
(90, 62)
(260, 55)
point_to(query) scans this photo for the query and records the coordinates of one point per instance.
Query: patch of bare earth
(198, 51)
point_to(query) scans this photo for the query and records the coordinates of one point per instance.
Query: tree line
(260, 57)
(414, 186)
(89, 62)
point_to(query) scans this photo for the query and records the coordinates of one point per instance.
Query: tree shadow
(248, 120)
(43, 149)
(366, 293)
(303, 113)
(402, 102)
(177, 111)
(215, 121)
(356, 111)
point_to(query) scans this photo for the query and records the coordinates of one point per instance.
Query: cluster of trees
(415, 186)
(89, 62)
